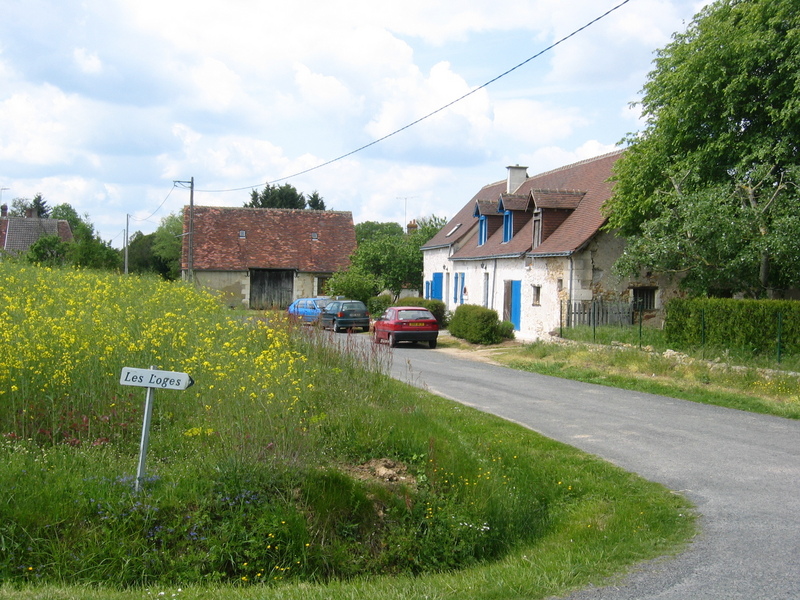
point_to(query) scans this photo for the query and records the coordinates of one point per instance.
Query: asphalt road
(741, 470)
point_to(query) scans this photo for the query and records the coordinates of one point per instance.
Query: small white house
(532, 248)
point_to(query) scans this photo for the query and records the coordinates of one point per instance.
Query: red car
(406, 324)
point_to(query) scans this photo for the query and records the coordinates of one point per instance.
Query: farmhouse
(262, 257)
(533, 249)
(18, 234)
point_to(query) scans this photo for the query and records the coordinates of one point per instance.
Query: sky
(105, 104)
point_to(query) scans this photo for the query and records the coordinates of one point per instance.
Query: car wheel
(392, 340)
(432, 344)
(334, 327)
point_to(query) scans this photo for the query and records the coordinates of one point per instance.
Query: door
(512, 303)
(436, 287)
(271, 289)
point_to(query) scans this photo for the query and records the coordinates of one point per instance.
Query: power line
(164, 201)
(437, 111)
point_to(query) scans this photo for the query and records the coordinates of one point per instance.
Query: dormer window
(537, 227)
(483, 230)
(315, 236)
(508, 226)
(242, 234)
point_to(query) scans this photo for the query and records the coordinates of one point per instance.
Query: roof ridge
(297, 210)
(578, 163)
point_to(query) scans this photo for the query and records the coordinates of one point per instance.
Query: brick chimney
(516, 177)
(4, 211)
(28, 213)
(412, 226)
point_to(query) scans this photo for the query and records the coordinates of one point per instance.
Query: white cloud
(535, 123)
(87, 62)
(104, 103)
(325, 93)
(216, 87)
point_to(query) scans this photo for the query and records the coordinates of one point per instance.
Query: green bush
(752, 325)
(435, 306)
(477, 325)
(507, 330)
(378, 304)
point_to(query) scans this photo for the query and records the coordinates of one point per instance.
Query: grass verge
(263, 479)
(752, 385)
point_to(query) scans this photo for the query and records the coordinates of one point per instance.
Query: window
(483, 230)
(453, 230)
(537, 227)
(458, 288)
(242, 234)
(508, 226)
(644, 298)
(536, 295)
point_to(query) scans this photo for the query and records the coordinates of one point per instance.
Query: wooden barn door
(271, 289)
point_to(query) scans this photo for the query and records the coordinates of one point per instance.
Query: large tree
(274, 196)
(391, 259)
(708, 189)
(168, 245)
(20, 206)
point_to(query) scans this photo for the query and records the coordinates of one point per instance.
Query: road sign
(150, 378)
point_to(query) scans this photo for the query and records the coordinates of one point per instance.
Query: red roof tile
(237, 239)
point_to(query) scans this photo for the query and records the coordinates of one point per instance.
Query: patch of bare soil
(383, 470)
(476, 352)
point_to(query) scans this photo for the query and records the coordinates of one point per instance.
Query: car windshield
(353, 306)
(410, 315)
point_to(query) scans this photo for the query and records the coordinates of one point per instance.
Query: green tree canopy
(315, 201)
(167, 245)
(369, 230)
(48, 251)
(390, 258)
(709, 188)
(273, 196)
(20, 206)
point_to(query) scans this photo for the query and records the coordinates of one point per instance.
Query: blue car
(308, 310)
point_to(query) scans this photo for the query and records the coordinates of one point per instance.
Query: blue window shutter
(436, 286)
(508, 226)
(516, 304)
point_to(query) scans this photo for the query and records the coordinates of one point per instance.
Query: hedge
(436, 307)
(477, 325)
(753, 325)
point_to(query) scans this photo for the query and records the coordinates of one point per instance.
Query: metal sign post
(152, 380)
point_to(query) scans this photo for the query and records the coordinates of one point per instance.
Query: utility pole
(190, 233)
(127, 224)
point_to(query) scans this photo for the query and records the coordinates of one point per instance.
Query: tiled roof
(238, 239)
(486, 208)
(557, 199)
(589, 176)
(464, 221)
(582, 187)
(514, 202)
(17, 234)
